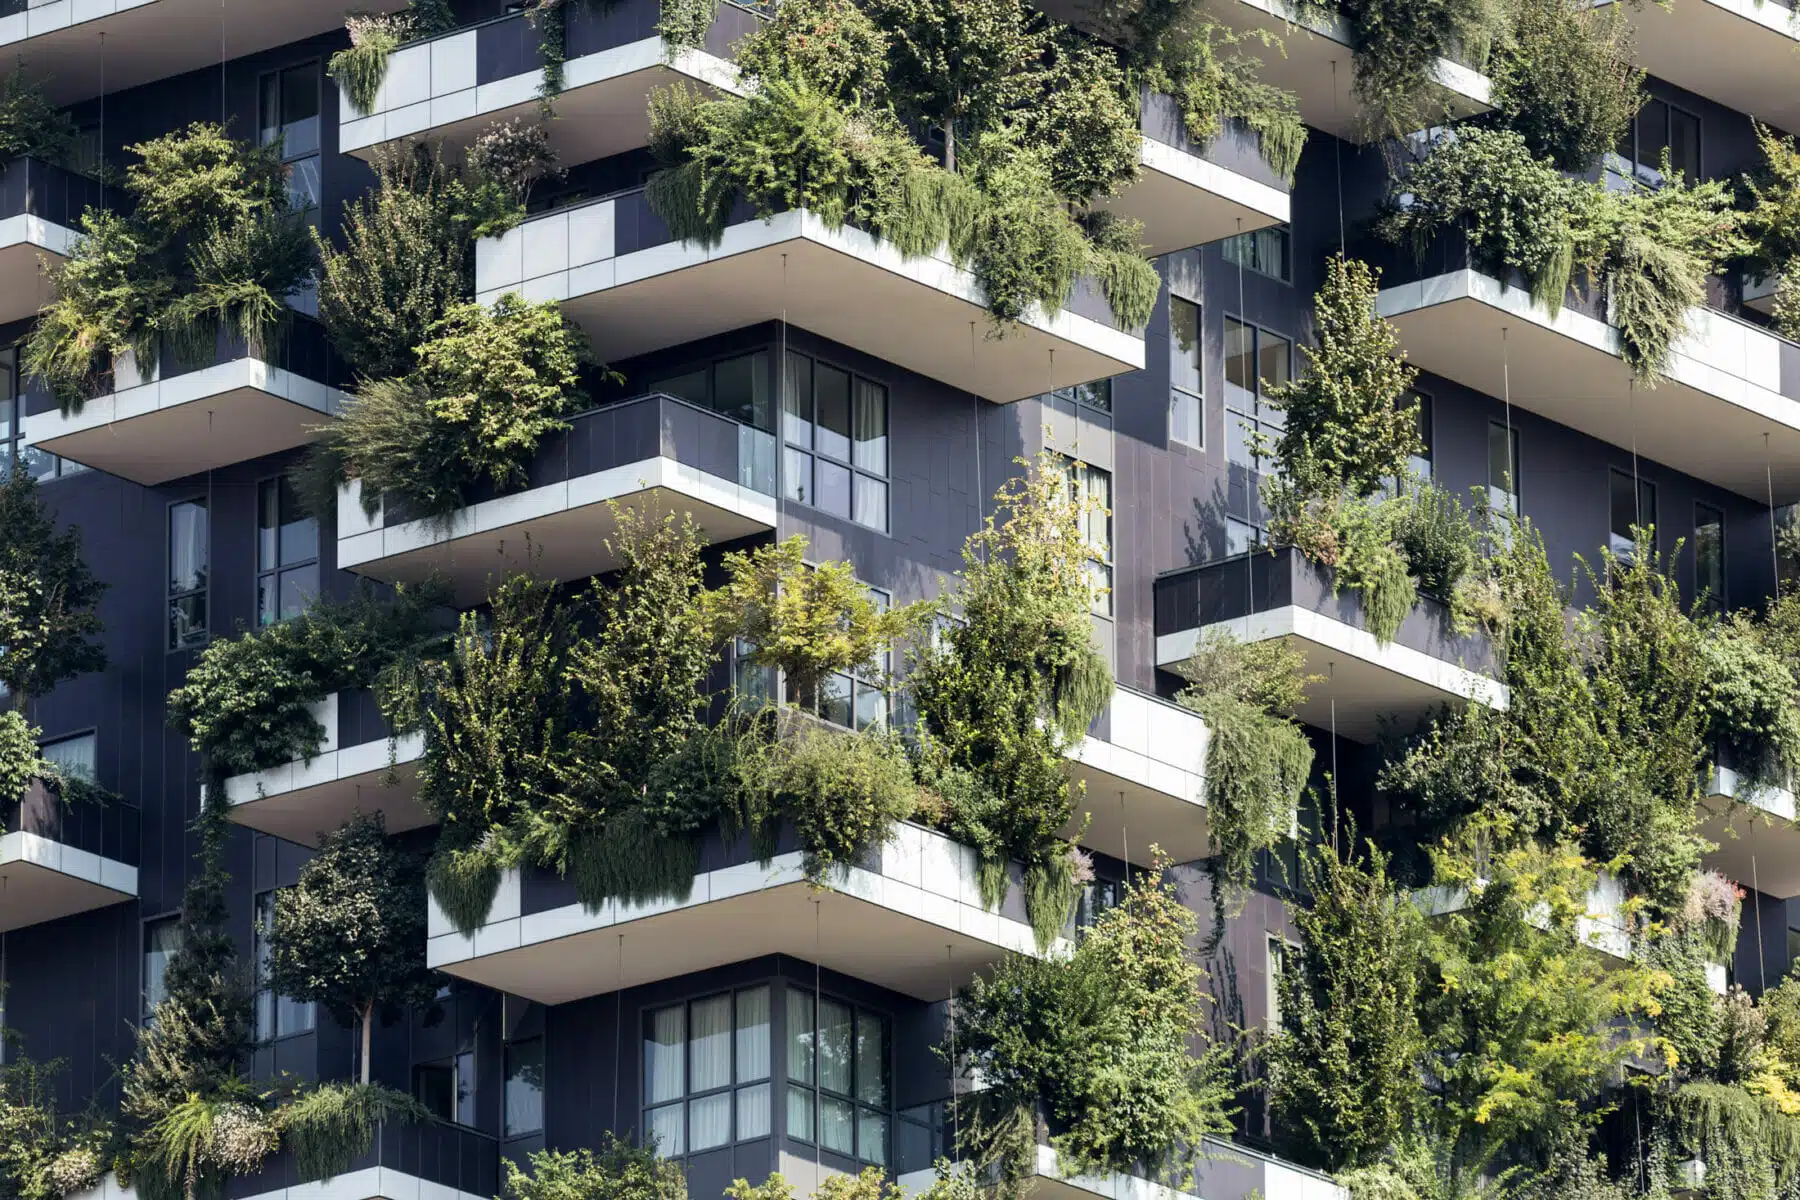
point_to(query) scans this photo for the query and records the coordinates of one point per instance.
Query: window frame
(280, 569)
(816, 1090)
(1179, 395)
(732, 1085)
(1720, 602)
(1234, 259)
(172, 594)
(171, 919)
(1516, 444)
(275, 1001)
(506, 1076)
(1650, 173)
(810, 449)
(1079, 476)
(1256, 423)
(1643, 490)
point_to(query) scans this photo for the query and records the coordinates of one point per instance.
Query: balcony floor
(42, 880)
(1364, 682)
(1700, 419)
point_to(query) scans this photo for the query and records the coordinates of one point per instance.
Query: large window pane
(753, 1111)
(834, 1046)
(666, 1131)
(74, 756)
(831, 387)
(1274, 360)
(741, 389)
(162, 938)
(1684, 144)
(1240, 359)
(709, 1121)
(663, 1043)
(1709, 556)
(753, 1035)
(833, 483)
(799, 1036)
(709, 1044)
(1184, 344)
(689, 386)
(800, 1113)
(1503, 459)
(187, 546)
(871, 1060)
(871, 502)
(524, 1087)
(871, 427)
(796, 475)
(872, 1137)
(837, 1120)
(796, 402)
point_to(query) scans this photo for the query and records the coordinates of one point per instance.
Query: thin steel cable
(1249, 556)
(1774, 554)
(818, 1015)
(950, 1023)
(618, 1032)
(1762, 970)
(1337, 154)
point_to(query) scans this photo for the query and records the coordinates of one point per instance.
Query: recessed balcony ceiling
(1740, 53)
(44, 880)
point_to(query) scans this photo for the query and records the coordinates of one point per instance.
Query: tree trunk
(950, 145)
(368, 1022)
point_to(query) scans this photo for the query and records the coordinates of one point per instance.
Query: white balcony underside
(27, 243)
(1737, 52)
(924, 313)
(301, 801)
(1144, 782)
(1049, 1183)
(1364, 682)
(558, 531)
(1718, 396)
(430, 93)
(59, 42)
(43, 880)
(172, 428)
(1185, 200)
(1758, 844)
(1318, 68)
(916, 926)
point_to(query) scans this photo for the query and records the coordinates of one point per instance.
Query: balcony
(432, 1160)
(909, 919)
(1263, 595)
(360, 767)
(40, 207)
(1142, 764)
(1049, 1183)
(1189, 194)
(1758, 843)
(634, 288)
(654, 450)
(58, 40)
(1737, 52)
(1606, 927)
(187, 417)
(450, 88)
(59, 859)
(1726, 385)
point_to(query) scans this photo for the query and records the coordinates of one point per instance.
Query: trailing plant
(1257, 757)
(1008, 688)
(488, 386)
(620, 1171)
(211, 245)
(350, 934)
(1751, 1148)
(202, 1141)
(246, 702)
(328, 1126)
(361, 69)
(1566, 80)
(1344, 1073)
(843, 792)
(31, 126)
(1711, 910)
(1098, 1044)
(1357, 538)
(44, 1153)
(1397, 45)
(48, 596)
(1750, 696)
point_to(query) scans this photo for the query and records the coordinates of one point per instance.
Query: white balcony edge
(363, 540)
(29, 230)
(1600, 928)
(333, 762)
(432, 84)
(40, 19)
(942, 891)
(604, 272)
(1688, 360)
(369, 1183)
(35, 850)
(1142, 745)
(160, 395)
(1208, 176)
(1294, 621)
(1112, 1186)
(1727, 784)
(1465, 81)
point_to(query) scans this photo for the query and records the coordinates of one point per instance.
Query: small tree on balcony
(48, 596)
(350, 934)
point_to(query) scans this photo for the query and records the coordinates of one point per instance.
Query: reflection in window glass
(1632, 504)
(276, 1016)
(189, 549)
(162, 938)
(1709, 557)
(843, 421)
(1255, 361)
(524, 1087)
(287, 553)
(74, 756)
(852, 1088)
(1503, 467)
(1184, 372)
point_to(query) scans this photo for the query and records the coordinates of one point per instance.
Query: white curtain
(709, 1121)
(662, 1058)
(709, 1044)
(834, 1046)
(753, 1035)
(799, 1036)
(753, 1111)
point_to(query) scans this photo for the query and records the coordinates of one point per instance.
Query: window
(287, 553)
(276, 1016)
(1420, 464)
(1265, 251)
(1241, 537)
(1186, 419)
(835, 425)
(736, 387)
(706, 1070)
(861, 700)
(1096, 395)
(1503, 467)
(1709, 557)
(524, 1087)
(1091, 490)
(76, 756)
(189, 551)
(1255, 361)
(162, 938)
(1661, 126)
(1632, 504)
(837, 1071)
(12, 429)
(447, 1087)
(1278, 961)
(289, 113)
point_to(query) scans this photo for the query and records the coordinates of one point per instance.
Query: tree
(959, 62)
(1350, 427)
(1344, 1070)
(47, 595)
(620, 1171)
(350, 934)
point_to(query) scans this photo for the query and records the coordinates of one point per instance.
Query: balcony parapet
(61, 858)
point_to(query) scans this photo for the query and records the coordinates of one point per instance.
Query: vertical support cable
(1337, 154)
(618, 1033)
(1762, 969)
(818, 1029)
(950, 1023)
(1774, 553)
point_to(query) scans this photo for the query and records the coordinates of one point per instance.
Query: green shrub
(361, 69)
(1435, 536)
(328, 1126)
(620, 1171)
(1749, 699)
(30, 125)
(1567, 80)
(1397, 45)
(844, 792)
